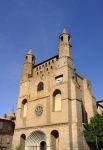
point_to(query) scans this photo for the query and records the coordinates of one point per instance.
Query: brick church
(53, 103)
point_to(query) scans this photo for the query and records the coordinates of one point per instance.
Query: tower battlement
(45, 67)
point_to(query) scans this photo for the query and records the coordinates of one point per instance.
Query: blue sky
(37, 24)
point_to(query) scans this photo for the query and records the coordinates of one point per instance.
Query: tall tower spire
(30, 52)
(64, 44)
(65, 31)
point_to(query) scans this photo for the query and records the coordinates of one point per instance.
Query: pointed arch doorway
(37, 140)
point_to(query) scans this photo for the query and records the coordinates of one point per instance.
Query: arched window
(61, 38)
(24, 108)
(55, 140)
(26, 57)
(22, 141)
(40, 86)
(57, 103)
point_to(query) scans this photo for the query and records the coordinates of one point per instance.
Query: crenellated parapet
(45, 67)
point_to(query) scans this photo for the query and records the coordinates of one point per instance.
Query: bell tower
(64, 44)
(28, 63)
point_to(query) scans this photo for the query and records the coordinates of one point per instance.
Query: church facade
(53, 104)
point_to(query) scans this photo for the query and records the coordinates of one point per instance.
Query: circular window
(39, 110)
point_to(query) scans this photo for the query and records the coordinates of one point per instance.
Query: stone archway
(55, 140)
(22, 141)
(43, 145)
(37, 140)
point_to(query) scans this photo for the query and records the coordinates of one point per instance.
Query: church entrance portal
(36, 141)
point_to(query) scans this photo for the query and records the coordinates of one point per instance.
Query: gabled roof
(101, 101)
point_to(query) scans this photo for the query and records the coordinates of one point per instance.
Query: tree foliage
(94, 130)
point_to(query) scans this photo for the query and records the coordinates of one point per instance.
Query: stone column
(76, 118)
(48, 141)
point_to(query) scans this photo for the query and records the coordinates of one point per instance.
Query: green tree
(94, 132)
